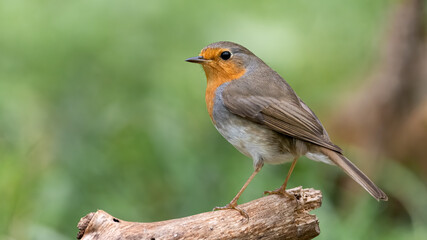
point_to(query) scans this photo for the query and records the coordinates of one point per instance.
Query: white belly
(254, 141)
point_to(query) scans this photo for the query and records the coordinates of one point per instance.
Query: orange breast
(214, 80)
(218, 72)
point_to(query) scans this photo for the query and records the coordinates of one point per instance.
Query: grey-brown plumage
(259, 113)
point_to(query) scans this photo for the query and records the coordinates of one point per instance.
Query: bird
(260, 114)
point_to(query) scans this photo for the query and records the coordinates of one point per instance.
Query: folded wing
(281, 111)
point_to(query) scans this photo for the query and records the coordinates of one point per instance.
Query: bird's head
(224, 61)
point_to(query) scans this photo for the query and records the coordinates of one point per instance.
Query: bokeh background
(99, 110)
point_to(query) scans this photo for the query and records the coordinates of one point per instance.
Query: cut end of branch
(83, 223)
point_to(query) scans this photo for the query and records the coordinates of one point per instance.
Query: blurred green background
(99, 110)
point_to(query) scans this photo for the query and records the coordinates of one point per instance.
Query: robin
(259, 113)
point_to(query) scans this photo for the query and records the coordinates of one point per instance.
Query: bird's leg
(233, 203)
(282, 189)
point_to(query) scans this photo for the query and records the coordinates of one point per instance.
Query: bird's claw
(233, 206)
(279, 191)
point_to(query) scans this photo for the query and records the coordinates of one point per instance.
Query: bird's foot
(280, 191)
(233, 205)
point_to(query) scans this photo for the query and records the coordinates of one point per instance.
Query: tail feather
(355, 173)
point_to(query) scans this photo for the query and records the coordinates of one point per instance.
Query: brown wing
(277, 107)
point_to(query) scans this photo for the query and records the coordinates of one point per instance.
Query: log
(270, 217)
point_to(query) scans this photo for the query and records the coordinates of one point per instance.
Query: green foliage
(98, 109)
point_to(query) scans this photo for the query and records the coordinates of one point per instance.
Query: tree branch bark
(270, 217)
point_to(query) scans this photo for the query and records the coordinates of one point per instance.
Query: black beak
(198, 59)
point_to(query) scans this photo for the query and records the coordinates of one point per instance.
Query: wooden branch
(270, 217)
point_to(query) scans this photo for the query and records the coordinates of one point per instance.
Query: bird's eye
(226, 55)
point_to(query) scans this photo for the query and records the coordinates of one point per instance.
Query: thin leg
(282, 189)
(233, 203)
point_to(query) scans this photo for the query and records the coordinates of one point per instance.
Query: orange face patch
(211, 53)
(218, 71)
